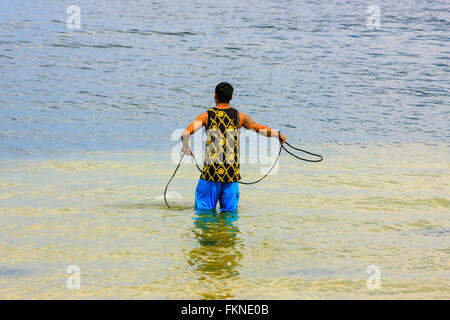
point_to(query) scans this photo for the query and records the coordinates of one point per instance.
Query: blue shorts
(208, 193)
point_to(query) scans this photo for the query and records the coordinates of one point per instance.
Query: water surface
(86, 118)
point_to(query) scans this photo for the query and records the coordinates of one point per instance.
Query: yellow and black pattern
(222, 146)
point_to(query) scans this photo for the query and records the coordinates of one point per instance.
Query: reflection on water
(219, 250)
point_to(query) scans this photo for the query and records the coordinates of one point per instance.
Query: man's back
(222, 146)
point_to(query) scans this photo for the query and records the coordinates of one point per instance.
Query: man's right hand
(187, 151)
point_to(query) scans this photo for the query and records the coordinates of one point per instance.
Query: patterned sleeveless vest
(221, 162)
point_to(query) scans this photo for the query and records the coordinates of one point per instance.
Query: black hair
(224, 92)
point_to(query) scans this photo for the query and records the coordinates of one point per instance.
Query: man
(219, 180)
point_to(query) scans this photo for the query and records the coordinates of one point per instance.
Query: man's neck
(223, 105)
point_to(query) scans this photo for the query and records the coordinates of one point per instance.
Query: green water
(309, 231)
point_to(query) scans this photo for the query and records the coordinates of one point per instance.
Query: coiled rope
(252, 182)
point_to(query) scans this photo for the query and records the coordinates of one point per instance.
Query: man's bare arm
(246, 122)
(199, 122)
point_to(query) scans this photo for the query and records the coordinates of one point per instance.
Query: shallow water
(310, 231)
(86, 118)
